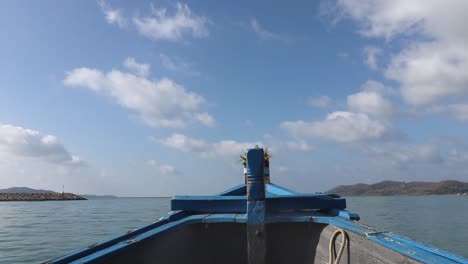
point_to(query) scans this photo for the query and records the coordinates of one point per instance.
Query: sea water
(31, 232)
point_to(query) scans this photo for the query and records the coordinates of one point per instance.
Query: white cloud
(113, 16)
(22, 142)
(433, 65)
(321, 101)
(385, 18)
(262, 33)
(457, 153)
(371, 53)
(431, 71)
(184, 143)
(370, 103)
(220, 149)
(163, 168)
(177, 64)
(342, 127)
(378, 87)
(403, 155)
(459, 111)
(159, 103)
(163, 26)
(299, 146)
(140, 69)
(167, 169)
(205, 119)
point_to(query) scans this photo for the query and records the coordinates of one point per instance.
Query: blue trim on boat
(230, 204)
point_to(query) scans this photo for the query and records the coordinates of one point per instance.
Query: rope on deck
(332, 250)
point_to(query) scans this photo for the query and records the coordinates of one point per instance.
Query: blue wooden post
(256, 231)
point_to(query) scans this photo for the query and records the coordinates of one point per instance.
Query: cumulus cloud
(164, 169)
(299, 145)
(370, 103)
(205, 119)
(220, 149)
(342, 126)
(378, 87)
(384, 18)
(371, 54)
(431, 66)
(431, 71)
(159, 103)
(321, 101)
(140, 69)
(161, 25)
(113, 16)
(28, 143)
(459, 111)
(404, 155)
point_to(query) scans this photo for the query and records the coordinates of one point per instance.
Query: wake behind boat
(259, 222)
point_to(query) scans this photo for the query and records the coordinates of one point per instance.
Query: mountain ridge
(402, 188)
(24, 190)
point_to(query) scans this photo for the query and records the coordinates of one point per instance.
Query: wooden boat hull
(293, 237)
(295, 243)
(258, 223)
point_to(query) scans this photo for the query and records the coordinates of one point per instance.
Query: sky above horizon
(157, 98)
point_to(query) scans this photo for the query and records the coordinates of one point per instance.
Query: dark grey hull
(287, 243)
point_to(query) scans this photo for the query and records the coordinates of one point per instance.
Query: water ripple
(32, 232)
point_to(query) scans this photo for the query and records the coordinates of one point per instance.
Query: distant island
(403, 188)
(24, 190)
(28, 194)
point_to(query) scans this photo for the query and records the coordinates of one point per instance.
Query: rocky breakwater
(52, 196)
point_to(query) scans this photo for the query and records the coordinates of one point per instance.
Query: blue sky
(154, 98)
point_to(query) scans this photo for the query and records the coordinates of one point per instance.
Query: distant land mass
(29, 194)
(403, 188)
(24, 190)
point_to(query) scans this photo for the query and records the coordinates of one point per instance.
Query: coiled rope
(332, 250)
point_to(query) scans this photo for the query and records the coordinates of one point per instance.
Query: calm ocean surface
(31, 232)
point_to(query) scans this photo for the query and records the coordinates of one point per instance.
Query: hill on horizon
(402, 188)
(24, 190)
